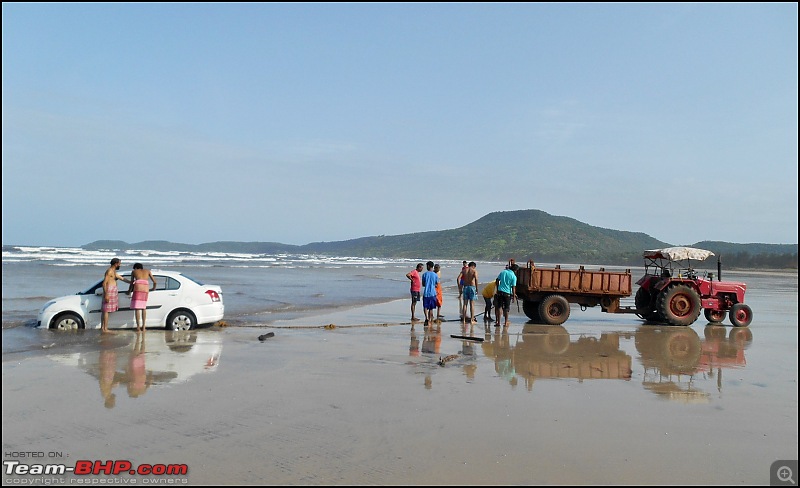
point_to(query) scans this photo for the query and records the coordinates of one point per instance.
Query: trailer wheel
(741, 315)
(715, 316)
(531, 309)
(679, 304)
(554, 310)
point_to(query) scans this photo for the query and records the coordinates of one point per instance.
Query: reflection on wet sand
(543, 351)
(674, 356)
(145, 359)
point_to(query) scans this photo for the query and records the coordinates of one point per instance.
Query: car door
(92, 302)
(162, 300)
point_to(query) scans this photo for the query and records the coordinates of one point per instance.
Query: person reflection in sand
(432, 342)
(498, 347)
(413, 348)
(108, 376)
(138, 377)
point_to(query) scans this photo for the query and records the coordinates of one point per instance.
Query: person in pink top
(416, 288)
(139, 290)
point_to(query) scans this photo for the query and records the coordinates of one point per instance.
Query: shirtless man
(110, 293)
(470, 291)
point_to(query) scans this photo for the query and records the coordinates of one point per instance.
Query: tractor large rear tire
(679, 305)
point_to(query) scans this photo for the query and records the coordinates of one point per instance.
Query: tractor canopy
(679, 253)
(673, 261)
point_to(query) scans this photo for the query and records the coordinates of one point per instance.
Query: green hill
(521, 234)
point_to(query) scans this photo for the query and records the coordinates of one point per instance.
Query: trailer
(547, 292)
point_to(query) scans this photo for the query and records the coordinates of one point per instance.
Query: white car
(177, 303)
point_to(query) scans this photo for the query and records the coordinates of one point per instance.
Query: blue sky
(298, 123)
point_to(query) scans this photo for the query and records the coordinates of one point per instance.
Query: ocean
(258, 289)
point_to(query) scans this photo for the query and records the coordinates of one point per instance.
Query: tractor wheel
(715, 316)
(554, 310)
(741, 315)
(679, 305)
(646, 310)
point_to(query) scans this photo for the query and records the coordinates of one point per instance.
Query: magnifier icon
(785, 474)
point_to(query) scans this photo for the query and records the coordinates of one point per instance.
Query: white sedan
(177, 303)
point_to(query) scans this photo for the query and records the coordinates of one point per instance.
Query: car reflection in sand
(672, 357)
(137, 362)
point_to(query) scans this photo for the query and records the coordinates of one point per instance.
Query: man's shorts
(429, 303)
(415, 296)
(503, 301)
(470, 292)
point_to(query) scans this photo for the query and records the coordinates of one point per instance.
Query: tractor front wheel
(715, 316)
(741, 315)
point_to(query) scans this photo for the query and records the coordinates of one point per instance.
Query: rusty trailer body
(547, 292)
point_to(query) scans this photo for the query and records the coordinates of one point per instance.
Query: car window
(166, 283)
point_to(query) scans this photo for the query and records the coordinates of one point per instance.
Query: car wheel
(181, 320)
(67, 321)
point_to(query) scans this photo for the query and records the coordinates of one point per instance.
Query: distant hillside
(521, 234)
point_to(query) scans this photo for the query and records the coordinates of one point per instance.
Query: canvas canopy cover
(679, 253)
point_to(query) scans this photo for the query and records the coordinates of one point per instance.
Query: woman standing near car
(140, 288)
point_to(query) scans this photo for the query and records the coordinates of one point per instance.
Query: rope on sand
(330, 326)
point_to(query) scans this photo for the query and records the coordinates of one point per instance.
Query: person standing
(506, 293)
(460, 282)
(470, 292)
(488, 296)
(439, 292)
(140, 288)
(110, 293)
(416, 287)
(429, 280)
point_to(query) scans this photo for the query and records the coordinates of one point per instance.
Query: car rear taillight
(213, 295)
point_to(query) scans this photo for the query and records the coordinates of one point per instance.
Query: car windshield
(98, 284)
(192, 279)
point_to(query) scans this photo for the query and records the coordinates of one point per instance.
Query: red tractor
(671, 291)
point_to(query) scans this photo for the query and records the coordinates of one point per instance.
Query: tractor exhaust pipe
(719, 268)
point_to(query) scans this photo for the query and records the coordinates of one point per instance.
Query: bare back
(471, 277)
(143, 274)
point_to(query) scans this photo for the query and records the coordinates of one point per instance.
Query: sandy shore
(363, 404)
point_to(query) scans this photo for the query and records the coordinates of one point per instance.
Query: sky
(307, 122)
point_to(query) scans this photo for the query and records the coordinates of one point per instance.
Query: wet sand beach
(602, 399)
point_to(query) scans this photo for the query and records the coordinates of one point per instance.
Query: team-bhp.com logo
(86, 467)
